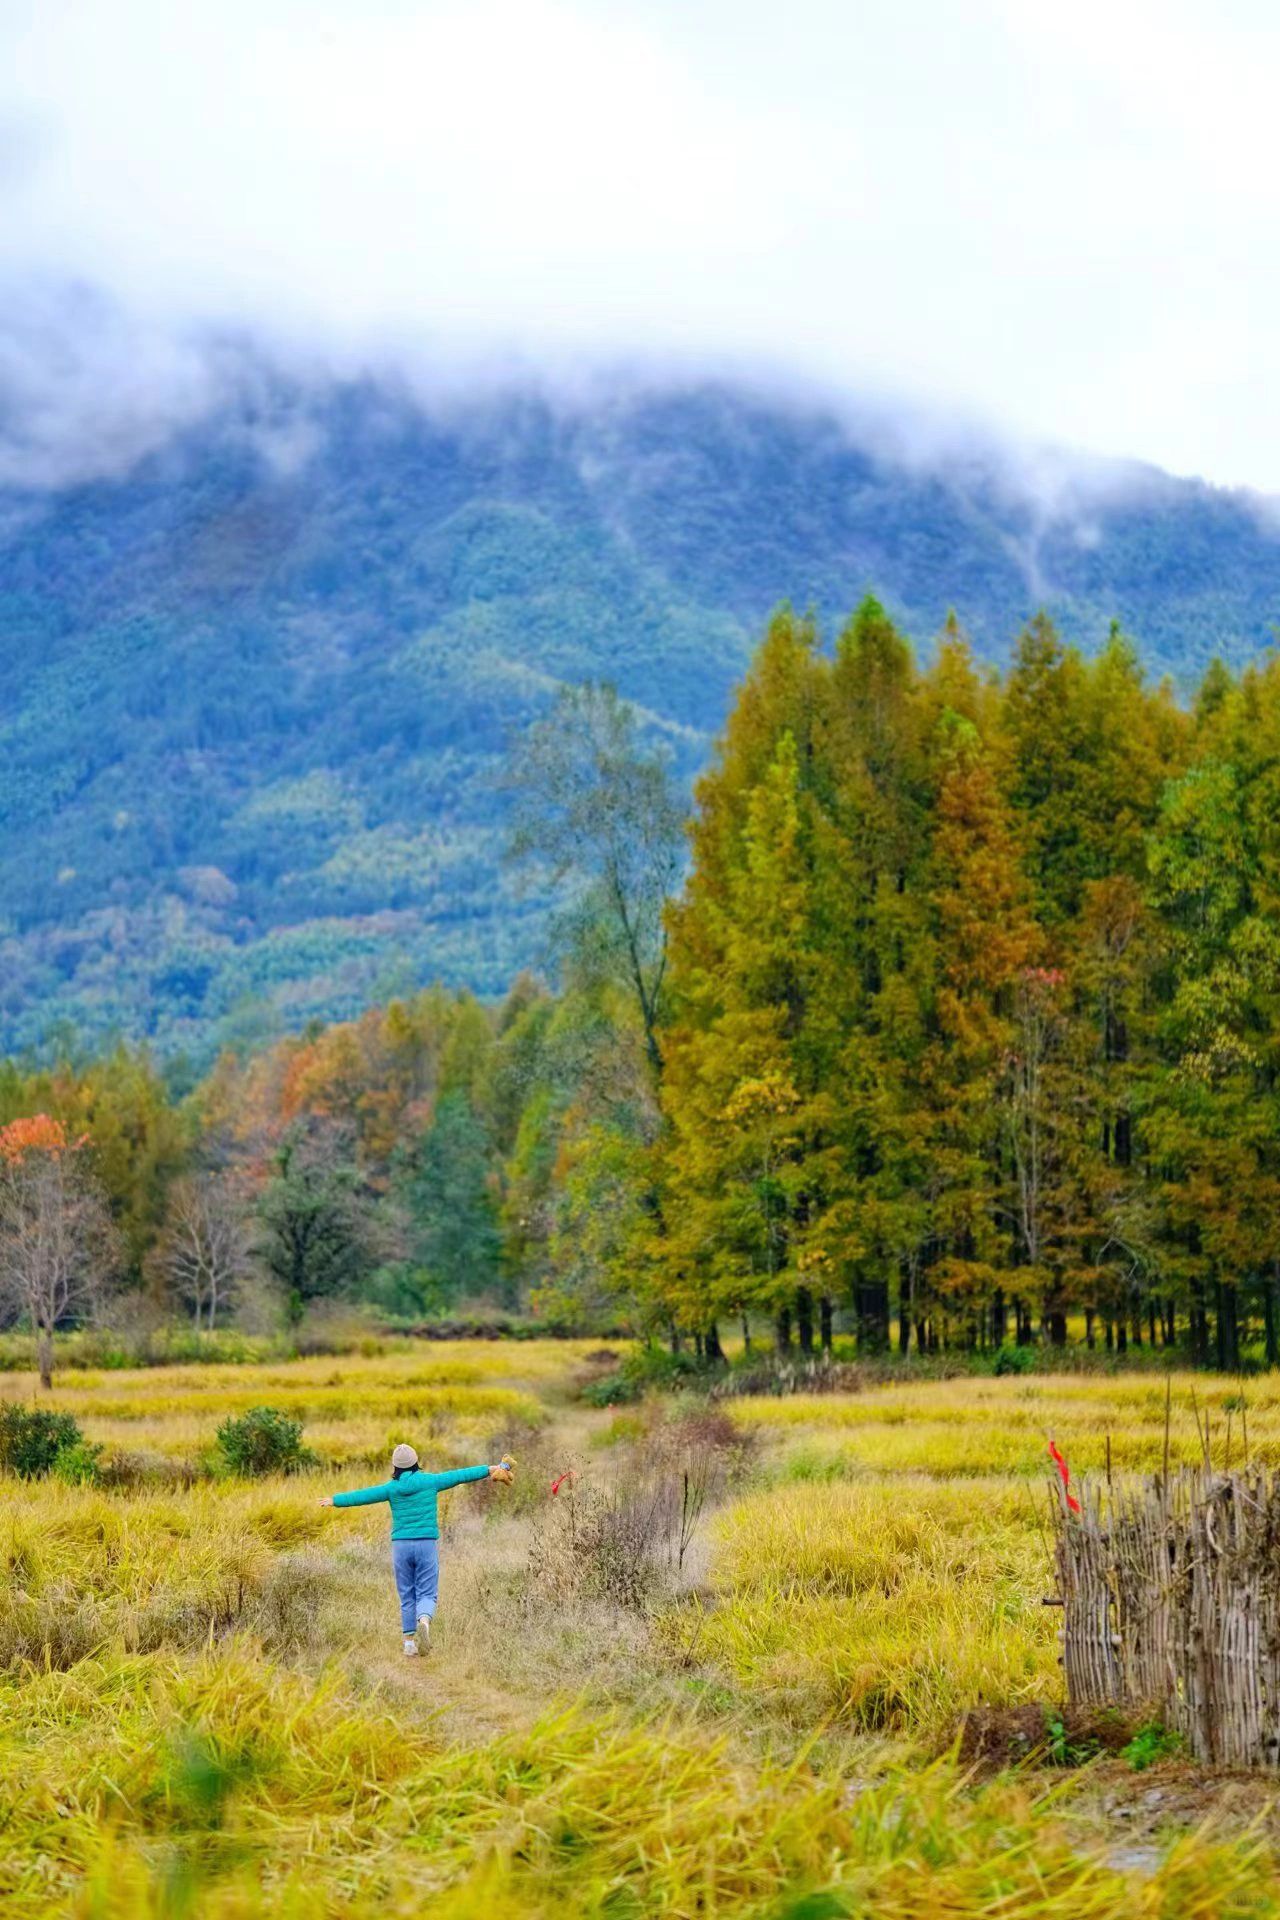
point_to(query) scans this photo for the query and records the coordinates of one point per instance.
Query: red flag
(560, 1479)
(1065, 1475)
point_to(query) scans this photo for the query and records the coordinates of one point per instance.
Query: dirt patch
(991, 1738)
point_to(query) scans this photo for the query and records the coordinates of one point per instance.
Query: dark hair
(397, 1471)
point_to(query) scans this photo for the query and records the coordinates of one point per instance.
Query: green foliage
(316, 1224)
(1150, 1744)
(32, 1439)
(1012, 1359)
(646, 1369)
(453, 1206)
(78, 1465)
(1060, 1749)
(260, 1442)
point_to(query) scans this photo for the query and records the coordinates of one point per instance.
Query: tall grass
(203, 1710)
(219, 1785)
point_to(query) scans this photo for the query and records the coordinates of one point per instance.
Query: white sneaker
(424, 1628)
(410, 1648)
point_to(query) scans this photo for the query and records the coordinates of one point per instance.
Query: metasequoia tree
(58, 1243)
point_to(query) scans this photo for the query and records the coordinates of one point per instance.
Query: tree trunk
(1220, 1328)
(1229, 1328)
(1269, 1318)
(999, 1318)
(1090, 1337)
(825, 1321)
(782, 1330)
(712, 1351)
(1122, 1334)
(872, 1301)
(804, 1319)
(1151, 1321)
(44, 1356)
(674, 1338)
(746, 1335)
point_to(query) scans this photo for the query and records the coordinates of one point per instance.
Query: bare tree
(59, 1249)
(205, 1249)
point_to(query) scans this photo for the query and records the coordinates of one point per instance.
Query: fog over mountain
(268, 619)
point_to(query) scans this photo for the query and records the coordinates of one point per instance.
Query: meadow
(628, 1709)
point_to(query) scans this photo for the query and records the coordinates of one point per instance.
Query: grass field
(204, 1708)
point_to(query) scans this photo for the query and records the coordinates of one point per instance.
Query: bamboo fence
(1170, 1595)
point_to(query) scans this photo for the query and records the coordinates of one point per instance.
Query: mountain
(256, 685)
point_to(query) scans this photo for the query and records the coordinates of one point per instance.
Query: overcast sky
(1059, 217)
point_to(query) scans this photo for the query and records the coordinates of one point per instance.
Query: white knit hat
(404, 1457)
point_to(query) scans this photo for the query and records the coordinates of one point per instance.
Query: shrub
(1014, 1360)
(77, 1465)
(263, 1441)
(31, 1438)
(645, 1369)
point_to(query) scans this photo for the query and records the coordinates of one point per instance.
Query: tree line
(968, 1010)
(953, 1007)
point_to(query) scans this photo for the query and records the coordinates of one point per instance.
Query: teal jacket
(413, 1500)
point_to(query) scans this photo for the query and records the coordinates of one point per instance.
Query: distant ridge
(255, 689)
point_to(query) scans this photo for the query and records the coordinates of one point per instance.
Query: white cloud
(1060, 218)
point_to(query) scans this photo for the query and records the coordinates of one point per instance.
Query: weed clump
(262, 1441)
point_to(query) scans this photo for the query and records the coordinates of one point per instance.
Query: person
(415, 1532)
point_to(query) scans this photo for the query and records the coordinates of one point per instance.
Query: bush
(1015, 1360)
(645, 1369)
(263, 1441)
(77, 1465)
(31, 1439)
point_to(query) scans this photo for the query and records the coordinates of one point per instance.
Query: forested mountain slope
(255, 689)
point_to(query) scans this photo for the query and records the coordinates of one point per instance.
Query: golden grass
(222, 1787)
(203, 1711)
(353, 1408)
(973, 1426)
(882, 1603)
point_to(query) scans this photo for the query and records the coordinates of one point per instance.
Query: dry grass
(204, 1711)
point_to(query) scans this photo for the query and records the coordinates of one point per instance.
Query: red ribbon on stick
(1064, 1473)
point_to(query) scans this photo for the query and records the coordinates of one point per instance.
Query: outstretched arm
(361, 1497)
(458, 1475)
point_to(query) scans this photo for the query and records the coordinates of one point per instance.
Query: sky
(1059, 219)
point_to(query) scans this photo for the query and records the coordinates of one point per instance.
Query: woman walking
(415, 1531)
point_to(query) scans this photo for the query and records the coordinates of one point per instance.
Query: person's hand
(326, 1500)
(502, 1473)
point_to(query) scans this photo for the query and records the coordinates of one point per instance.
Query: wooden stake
(1168, 1409)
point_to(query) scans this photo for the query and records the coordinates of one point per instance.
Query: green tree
(593, 806)
(453, 1206)
(316, 1226)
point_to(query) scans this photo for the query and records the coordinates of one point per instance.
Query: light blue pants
(417, 1570)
